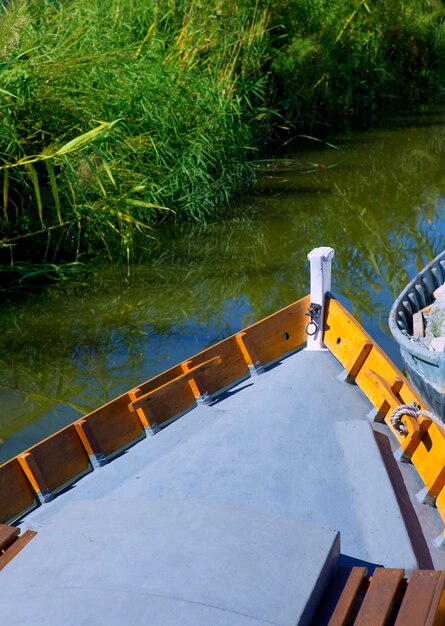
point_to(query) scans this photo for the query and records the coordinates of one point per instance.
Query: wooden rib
(144, 414)
(184, 377)
(16, 494)
(34, 475)
(387, 391)
(379, 599)
(440, 505)
(16, 547)
(429, 460)
(357, 361)
(89, 442)
(343, 336)
(422, 598)
(347, 583)
(87, 437)
(435, 482)
(8, 535)
(56, 461)
(198, 389)
(248, 355)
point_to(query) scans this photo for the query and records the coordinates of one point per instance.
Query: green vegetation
(116, 115)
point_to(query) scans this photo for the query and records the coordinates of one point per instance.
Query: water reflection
(378, 200)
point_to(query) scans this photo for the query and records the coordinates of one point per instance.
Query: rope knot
(413, 410)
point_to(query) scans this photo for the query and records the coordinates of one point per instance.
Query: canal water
(376, 196)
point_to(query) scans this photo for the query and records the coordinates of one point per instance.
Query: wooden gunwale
(386, 388)
(99, 435)
(120, 424)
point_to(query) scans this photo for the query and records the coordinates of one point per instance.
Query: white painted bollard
(320, 259)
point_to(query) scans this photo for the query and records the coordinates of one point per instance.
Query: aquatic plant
(117, 116)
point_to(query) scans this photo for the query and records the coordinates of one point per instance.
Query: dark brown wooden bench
(384, 599)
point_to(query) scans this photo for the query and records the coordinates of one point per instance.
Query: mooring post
(320, 259)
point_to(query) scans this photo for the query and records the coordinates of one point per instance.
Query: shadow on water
(378, 200)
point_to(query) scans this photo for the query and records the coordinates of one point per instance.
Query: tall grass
(118, 114)
(356, 58)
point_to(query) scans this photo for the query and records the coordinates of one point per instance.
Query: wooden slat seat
(423, 600)
(386, 598)
(380, 597)
(341, 596)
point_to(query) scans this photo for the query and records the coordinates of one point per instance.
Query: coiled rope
(413, 410)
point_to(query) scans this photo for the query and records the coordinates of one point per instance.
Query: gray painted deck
(230, 515)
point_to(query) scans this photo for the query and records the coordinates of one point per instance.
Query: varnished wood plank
(87, 437)
(388, 390)
(7, 535)
(380, 597)
(425, 449)
(235, 360)
(232, 369)
(343, 336)
(247, 353)
(421, 598)
(357, 361)
(160, 379)
(279, 333)
(436, 614)
(114, 426)
(346, 602)
(429, 459)
(34, 475)
(16, 547)
(60, 459)
(16, 493)
(175, 401)
(144, 414)
(338, 602)
(167, 387)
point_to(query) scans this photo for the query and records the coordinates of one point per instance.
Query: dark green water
(378, 198)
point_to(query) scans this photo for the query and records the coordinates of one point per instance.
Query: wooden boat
(275, 498)
(425, 368)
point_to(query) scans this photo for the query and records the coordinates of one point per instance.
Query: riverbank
(118, 116)
(378, 200)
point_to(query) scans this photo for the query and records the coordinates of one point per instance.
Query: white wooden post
(320, 259)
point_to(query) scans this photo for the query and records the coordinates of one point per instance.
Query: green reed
(116, 115)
